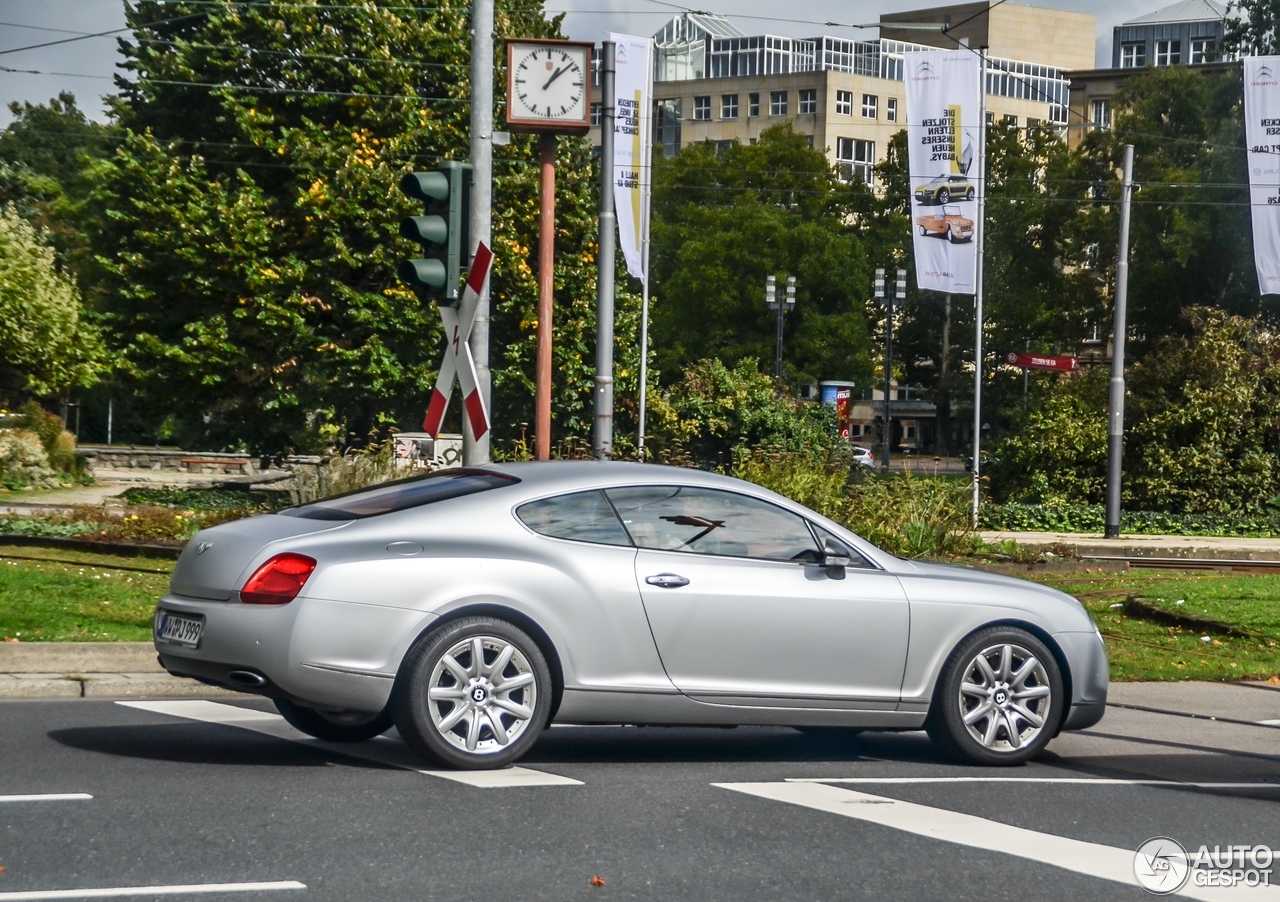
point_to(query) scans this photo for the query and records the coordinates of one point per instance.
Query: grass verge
(84, 601)
(1141, 647)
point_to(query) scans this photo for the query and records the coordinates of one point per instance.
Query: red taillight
(279, 580)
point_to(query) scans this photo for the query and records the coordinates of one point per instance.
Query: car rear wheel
(473, 694)
(999, 700)
(334, 726)
(944, 195)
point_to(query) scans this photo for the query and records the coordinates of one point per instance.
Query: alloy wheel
(1005, 698)
(482, 695)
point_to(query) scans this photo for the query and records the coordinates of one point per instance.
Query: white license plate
(172, 627)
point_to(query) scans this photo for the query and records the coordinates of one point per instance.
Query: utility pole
(979, 243)
(944, 384)
(1115, 421)
(475, 451)
(604, 278)
(786, 304)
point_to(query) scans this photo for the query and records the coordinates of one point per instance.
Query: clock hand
(554, 76)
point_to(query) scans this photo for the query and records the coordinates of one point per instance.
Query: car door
(743, 612)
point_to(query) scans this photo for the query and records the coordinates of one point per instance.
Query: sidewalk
(91, 670)
(1093, 545)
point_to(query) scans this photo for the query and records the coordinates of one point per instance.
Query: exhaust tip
(247, 678)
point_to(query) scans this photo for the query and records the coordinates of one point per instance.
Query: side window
(831, 545)
(707, 521)
(582, 516)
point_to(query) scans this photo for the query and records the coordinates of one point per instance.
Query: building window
(722, 146)
(728, 106)
(1009, 119)
(777, 103)
(595, 114)
(869, 104)
(1101, 113)
(891, 110)
(1168, 53)
(856, 159)
(844, 103)
(808, 141)
(1133, 56)
(753, 104)
(991, 118)
(1203, 50)
(666, 126)
(702, 107)
(808, 101)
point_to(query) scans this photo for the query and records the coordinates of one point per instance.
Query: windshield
(402, 494)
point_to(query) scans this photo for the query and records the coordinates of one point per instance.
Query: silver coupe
(472, 607)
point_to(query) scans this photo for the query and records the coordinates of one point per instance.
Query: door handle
(667, 580)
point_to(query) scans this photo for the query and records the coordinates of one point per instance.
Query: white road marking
(388, 751)
(49, 797)
(115, 892)
(1100, 781)
(1270, 723)
(1091, 859)
(509, 776)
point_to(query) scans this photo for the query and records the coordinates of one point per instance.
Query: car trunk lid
(211, 564)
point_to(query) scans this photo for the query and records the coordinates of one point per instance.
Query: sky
(84, 67)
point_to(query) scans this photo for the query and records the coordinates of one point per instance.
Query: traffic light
(442, 231)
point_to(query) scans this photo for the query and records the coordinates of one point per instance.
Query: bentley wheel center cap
(1001, 697)
(479, 694)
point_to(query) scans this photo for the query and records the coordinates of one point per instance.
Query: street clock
(549, 86)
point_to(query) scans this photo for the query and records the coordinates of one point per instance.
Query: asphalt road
(180, 799)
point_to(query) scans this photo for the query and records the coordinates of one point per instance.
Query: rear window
(402, 494)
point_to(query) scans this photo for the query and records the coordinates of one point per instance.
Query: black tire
(950, 236)
(424, 722)
(923, 231)
(945, 723)
(336, 726)
(968, 195)
(944, 195)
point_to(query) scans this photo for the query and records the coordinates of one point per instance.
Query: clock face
(548, 83)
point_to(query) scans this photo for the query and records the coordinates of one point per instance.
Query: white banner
(632, 143)
(943, 100)
(1262, 135)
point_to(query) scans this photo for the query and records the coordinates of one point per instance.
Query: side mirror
(835, 564)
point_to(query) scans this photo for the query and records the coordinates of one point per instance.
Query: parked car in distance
(944, 189)
(947, 223)
(473, 607)
(864, 456)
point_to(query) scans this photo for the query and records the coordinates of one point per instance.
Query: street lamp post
(888, 366)
(787, 304)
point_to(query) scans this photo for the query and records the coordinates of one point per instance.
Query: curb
(104, 686)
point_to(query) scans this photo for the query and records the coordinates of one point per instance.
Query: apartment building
(713, 82)
(1188, 33)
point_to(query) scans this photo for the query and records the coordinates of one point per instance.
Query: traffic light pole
(603, 439)
(546, 288)
(475, 451)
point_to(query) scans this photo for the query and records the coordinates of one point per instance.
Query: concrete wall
(1053, 37)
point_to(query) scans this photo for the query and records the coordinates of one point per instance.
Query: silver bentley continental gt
(472, 607)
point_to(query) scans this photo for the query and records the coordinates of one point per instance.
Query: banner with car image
(943, 130)
(1262, 135)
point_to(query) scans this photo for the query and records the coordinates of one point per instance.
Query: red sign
(1039, 362)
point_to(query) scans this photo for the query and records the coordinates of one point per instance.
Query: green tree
(1190, 232)
(1256, 32)
(247, 224)
(46, 346)
(724, 220)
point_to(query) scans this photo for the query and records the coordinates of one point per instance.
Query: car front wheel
(999, 700)
(473, 694)
(943, 196)
(334, 726)
(969, 194)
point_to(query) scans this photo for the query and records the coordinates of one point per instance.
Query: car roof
(556, 475)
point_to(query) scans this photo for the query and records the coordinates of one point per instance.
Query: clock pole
(604, 277)
(546, 286)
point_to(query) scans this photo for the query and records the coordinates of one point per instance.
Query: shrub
(908, 515)
(23, 461)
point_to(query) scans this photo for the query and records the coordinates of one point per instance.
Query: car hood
(1023, 588)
